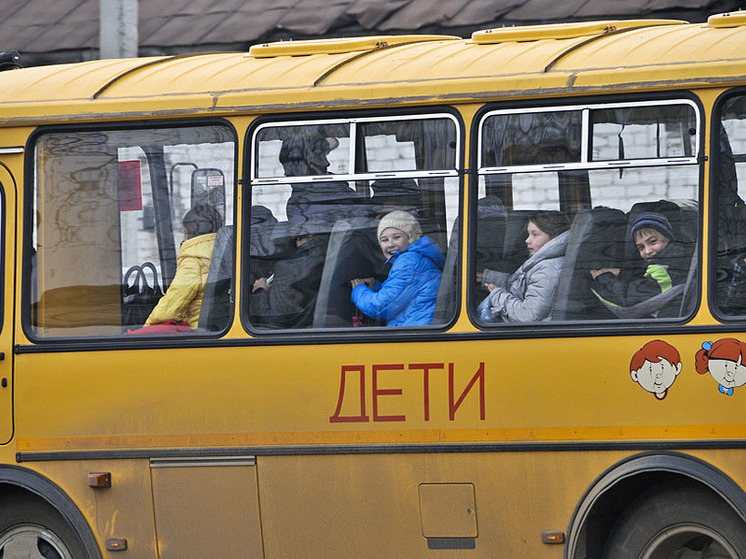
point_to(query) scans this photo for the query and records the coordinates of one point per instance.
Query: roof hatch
(728, 19)
(564, 30)
(339, 46)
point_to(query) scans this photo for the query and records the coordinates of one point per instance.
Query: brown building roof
(48, 31)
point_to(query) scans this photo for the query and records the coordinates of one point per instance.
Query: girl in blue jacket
(407, 297)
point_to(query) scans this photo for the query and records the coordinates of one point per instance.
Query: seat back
(217, 301)
(515, 251)
(447, 299)
(352, 252)
(595, 241)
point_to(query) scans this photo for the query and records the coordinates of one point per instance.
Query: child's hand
(490, 286)
(261, 283)
(369, 282)
(596, 273)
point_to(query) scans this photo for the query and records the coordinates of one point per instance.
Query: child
(287, 298)
(183, 300)
(407, 297)
(667, 266)
(527, 295)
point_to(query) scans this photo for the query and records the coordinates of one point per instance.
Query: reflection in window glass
(578, 241)
(310, 240)
(531, 138)
(119, 203)
(730, 270)
(643, 132)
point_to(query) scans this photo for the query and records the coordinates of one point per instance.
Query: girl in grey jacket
(528, 294)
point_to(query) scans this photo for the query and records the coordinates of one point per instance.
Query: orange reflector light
(99, 479)
(553, 537)
(116, 544)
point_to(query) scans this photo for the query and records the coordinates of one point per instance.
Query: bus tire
(30, 527)
(678, 522)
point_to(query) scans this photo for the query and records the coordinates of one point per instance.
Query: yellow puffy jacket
(183, 299)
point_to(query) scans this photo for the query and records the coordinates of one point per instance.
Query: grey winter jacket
(528, 294)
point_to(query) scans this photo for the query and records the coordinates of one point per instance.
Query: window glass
(509, 139)
(140, 213)
(730, 271)
(312, 238)
(582, 240)
(643, 132)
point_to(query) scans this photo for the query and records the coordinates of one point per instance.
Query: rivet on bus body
(116, 544)
(4, 382)
(99, 480)
(553, 537)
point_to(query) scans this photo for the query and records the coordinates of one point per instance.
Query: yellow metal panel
(123, 511)
(204, 510)
(448, 510)
(7, 289)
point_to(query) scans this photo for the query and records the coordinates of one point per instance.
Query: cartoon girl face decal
(655, 367)
(723, 359)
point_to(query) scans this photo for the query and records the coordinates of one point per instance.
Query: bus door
(7, 242)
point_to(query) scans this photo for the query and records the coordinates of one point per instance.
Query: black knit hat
(652, 220)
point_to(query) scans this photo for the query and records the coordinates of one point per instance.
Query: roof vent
(728, 19)
(339, 46)
(564, 30)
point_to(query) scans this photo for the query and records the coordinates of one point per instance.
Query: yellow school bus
(209, 348)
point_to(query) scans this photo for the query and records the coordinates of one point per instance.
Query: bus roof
(367, 71)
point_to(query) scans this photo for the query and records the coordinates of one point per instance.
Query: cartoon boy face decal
(723, 359)
(655, 367)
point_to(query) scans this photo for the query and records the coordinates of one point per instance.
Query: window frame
(352, 176)
(713, 199)
(585, 141)
(250, 164)
(540, 105)
(30, 191)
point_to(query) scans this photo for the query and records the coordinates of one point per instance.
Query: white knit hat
(402, 221)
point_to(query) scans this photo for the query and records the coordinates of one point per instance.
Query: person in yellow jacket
(183, 300)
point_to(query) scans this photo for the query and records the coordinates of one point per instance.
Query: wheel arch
(17, 482)
(615, 489)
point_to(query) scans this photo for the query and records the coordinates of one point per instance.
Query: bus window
(318, 191)
(730, 271)
(601, 180)
(119, 203)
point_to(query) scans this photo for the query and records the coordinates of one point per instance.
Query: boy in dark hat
(667, 266)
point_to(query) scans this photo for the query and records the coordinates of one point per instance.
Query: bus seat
(593, 243)
(352, 252)
(491, 221)
(217, 299)
(515, 251)
(445, 303)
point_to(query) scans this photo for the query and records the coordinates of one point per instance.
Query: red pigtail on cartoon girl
(724, 360)
(655, 367)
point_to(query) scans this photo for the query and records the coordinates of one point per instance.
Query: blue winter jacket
(407, 297)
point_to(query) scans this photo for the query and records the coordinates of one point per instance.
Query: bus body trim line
(174, 454)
